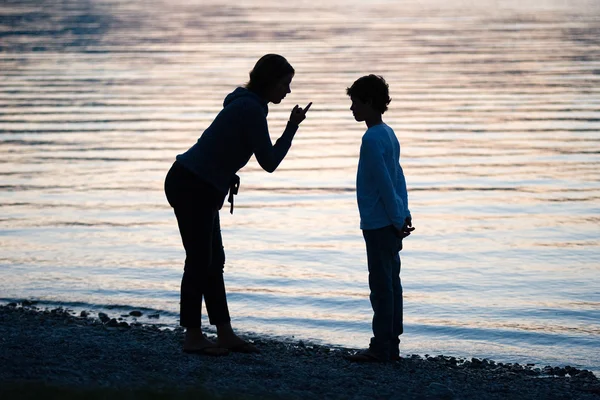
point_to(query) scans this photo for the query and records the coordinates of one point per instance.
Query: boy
(384, 216)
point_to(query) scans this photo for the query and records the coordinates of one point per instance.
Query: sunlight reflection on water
(497, 111)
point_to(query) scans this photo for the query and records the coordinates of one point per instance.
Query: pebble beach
(61, 348)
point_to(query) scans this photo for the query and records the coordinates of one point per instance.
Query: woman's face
(280, 89)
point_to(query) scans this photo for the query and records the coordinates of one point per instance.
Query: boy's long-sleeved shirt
(380, 184)
(238, 131)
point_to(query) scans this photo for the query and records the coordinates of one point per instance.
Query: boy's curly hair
(371, 88)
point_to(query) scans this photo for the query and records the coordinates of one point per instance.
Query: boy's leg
(398, 307)
(381, 249)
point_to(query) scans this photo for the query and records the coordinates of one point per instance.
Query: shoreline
(53, 346)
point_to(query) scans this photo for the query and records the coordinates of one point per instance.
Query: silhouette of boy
(384, 216)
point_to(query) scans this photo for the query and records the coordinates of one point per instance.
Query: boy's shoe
(395, 350)
(365, 356)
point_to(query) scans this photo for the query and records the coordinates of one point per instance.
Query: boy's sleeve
(403, 190)
(373, 158)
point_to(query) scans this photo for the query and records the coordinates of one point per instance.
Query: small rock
(516, 368)
(84, 314)
(103, 317)
(11, 305)
(112, 323)
(531, 372)
(571, 370)
(585, 375)
(155, 316)
(438, 391)
(594, 390)
(558, 371)
(135, 313)
(498, 388)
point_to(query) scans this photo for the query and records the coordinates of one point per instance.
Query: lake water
(496, 105)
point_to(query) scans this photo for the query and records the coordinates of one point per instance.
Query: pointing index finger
(307, 107)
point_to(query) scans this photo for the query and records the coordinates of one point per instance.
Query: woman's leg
(195, 227)
(216, 298)
(214, 286)
(195, 214)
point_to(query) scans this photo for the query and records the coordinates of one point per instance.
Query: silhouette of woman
(198, 182)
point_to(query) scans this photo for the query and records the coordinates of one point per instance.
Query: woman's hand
(298, 114)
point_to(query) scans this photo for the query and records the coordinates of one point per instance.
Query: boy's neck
(374, 120)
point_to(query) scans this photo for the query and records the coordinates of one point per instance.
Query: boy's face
(359, 109)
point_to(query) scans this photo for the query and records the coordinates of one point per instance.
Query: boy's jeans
(383, 260)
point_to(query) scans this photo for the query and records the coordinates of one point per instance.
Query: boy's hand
(406, 230)
(298, 114)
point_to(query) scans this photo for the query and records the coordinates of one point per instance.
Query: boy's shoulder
(375, 132)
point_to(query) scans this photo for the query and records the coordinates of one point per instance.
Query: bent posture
(198, 182)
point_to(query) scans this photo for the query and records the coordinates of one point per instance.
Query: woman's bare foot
(196, 342)
(229, 340)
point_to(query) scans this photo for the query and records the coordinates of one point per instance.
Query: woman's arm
(269, 156)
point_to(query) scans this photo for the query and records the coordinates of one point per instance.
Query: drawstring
(234, 186)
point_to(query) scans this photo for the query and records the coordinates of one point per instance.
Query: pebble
(438, 391)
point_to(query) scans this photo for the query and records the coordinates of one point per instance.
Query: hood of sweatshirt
(242, 92)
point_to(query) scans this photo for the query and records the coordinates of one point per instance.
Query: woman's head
(271, 78)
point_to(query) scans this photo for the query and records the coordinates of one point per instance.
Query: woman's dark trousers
(196, 205)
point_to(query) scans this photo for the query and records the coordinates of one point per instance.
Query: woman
(198, 182)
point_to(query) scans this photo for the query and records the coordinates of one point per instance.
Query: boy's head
(370, 95)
